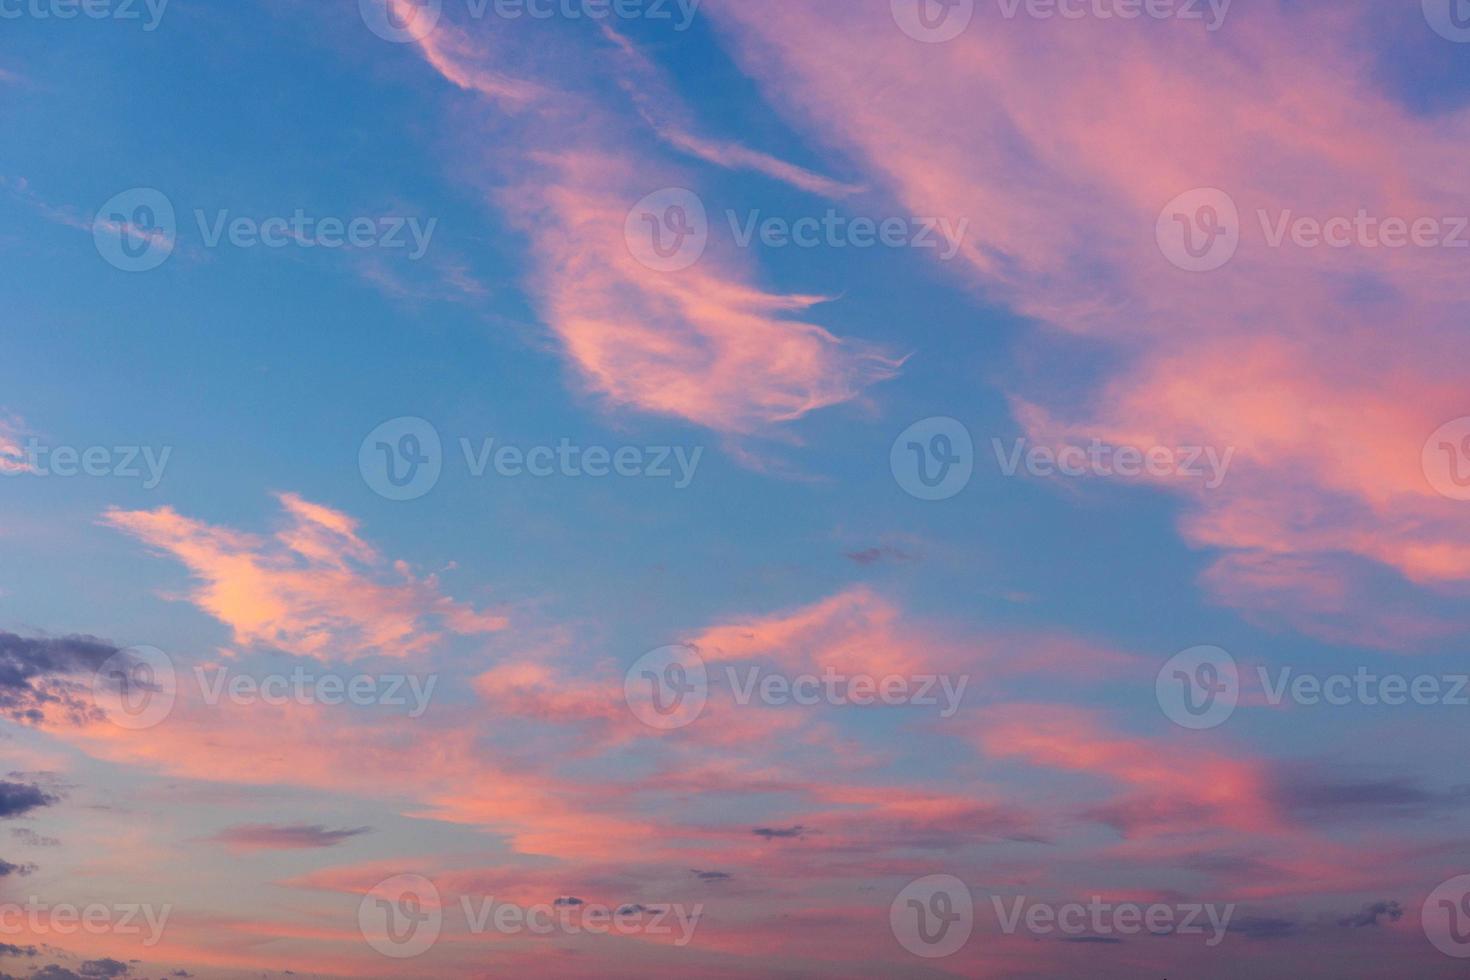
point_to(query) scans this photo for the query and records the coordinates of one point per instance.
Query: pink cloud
(314, 588)
(1076, 134)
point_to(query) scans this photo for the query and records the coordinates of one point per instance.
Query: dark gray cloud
(18, 799)
(1372, 915)
(30, 838)
(872, 556)
(568, 901)
(6, 949)
(7, 869)
(37, 671)
(782, 833)
(287, 837)
(711, 875)
(105, 967)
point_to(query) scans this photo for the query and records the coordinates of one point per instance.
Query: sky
(740, 488)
